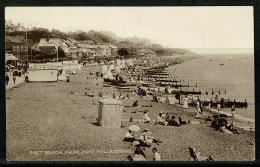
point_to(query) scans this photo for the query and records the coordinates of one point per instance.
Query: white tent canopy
(9, 56)
(112, 67)
(118, 69)
(108, 75)
(104, 69)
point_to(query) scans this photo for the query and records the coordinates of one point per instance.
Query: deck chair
(196, 156)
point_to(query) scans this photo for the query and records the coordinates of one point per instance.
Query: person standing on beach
(198, 106)
(185, 102)
(14, 78)
(157, 156)
(216, 98)
(218, 106)
(6, 79)
(233, 110)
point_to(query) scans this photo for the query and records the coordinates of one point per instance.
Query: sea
(230, 76)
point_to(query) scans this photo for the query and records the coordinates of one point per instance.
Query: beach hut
(110, 113)
(104, 69)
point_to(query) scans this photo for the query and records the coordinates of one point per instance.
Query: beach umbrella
(134, 128)
(223, 115)
(220, 115)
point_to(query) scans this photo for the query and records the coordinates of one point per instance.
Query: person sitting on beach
(225, 130)
(135, 104)
(222, 122)
(129, 137)
(231, 128)
(134, 93)
(219, 123)
(214, 123)
(161, 119)
(121, 96)
(146, 140)
(157, 156)
(198, 116)
(146, 119)
(139, 154)
(172, 122)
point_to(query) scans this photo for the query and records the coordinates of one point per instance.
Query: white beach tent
(104, 69)
(108, 75)
(112, 67)
(118, 70)
(118, 62)
(123, 63)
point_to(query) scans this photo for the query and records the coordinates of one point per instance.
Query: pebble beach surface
(56, 121)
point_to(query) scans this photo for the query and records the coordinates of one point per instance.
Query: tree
(123, 52)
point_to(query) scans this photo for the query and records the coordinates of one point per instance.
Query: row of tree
(129, 46)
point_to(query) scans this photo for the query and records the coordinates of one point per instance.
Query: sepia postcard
(130, 83)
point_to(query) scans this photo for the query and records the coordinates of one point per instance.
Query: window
(13, 48)
(17, 48)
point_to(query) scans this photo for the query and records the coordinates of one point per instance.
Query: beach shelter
(108, 75)
(104, 69)
(110, 113)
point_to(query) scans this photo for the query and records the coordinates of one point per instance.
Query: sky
(211, 28)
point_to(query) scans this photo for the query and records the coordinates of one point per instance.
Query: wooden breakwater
(225, 104)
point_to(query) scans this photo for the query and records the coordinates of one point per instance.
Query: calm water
(235, 76)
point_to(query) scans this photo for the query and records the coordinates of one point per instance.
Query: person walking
(6, 79)
(14, 78)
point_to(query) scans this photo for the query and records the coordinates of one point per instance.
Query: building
(73, 49)
(102, 50)
(108, 51)
(113, 50)
(46, 48)
(18, 46)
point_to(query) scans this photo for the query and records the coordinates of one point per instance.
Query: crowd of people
(145, 140)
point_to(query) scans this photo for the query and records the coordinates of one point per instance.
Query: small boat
(210, 60)
(107, 85)
(122, 87)
(221, 64)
